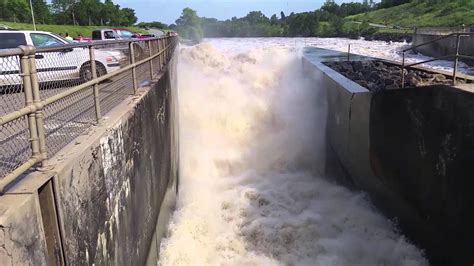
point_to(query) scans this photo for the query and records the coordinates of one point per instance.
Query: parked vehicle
(150, 35)
(121, 34)
(115, 34)
(105, 34)
(64, 64)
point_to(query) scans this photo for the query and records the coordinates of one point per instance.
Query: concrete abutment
(110, 193)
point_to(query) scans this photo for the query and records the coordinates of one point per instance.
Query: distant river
(379, 49)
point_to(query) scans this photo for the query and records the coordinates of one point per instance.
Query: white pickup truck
(66, 64)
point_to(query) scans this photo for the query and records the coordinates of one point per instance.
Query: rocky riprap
(377, 76)
(390, 37)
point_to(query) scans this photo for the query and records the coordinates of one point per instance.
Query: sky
(168, 11)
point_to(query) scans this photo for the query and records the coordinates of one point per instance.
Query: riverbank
(390, 37)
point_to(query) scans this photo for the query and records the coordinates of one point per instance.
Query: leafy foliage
(419, 13)
(71, 29)
(72, 12)
(327, 21)
(153, 24)
(189, 25)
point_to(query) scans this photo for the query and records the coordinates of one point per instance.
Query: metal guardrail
(51, 95)
(456, 56)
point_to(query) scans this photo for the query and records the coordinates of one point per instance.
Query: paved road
(380, 25)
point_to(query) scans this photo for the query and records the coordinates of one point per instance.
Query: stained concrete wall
(409, 150)
(102, 200)
(422, 145)
(22, 240)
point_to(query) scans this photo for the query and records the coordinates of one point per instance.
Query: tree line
(324, 22)
(68, 12)
(327, 21)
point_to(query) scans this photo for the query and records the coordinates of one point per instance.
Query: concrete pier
(410, 150)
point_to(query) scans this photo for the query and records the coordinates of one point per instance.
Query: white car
(66, 64)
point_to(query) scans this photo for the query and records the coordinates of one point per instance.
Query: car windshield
(42, 40)
(125, 34)
(62, 38)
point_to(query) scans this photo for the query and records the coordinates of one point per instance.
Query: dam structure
(446, 42)
(242, 152)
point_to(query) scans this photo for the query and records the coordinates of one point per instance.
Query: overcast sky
(169, 10)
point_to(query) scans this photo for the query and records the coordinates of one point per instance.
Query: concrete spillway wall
(445, 46)
(410, 150)
(107, 192)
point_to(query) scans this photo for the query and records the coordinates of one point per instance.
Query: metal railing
(51, 95)
(456, 55)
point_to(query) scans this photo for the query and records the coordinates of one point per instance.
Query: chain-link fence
(51, 95)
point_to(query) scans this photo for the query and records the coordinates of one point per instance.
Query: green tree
(108, 12)
(41, 10)
(189, 25)
(15, 10)
(330, 6)
(256, 17)
(63, 11)
(87, 12)
(128, 17)
(154, 24)
(274, 20)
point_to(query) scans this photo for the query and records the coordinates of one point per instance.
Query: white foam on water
(378, 49)
(252, 132)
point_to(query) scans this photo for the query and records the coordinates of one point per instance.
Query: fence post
(349, 52)
(167, 50)
(163, 47)
(134, 74)
(160, 50)
(403, 70)
(39, 110)
(150, 54)
(26, 77)
(98, 114)
(456, 59)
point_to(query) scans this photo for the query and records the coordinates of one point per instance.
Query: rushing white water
(378, 49)
(251, 192)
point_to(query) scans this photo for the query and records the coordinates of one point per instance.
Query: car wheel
(86, 72)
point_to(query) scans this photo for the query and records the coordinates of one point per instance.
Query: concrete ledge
(408, 149)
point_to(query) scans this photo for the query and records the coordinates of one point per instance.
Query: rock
(380, 66)
(377, 75)
(439, 77)
(346, 66)
(412, 81)
(373, 87)
(363, 83)
(373, 76)
(389, 81)
(357, 65)
(392, 87)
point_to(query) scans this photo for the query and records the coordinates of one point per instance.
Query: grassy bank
(413, 14)
(72, 30)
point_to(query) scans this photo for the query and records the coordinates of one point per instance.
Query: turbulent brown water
(251, 191)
